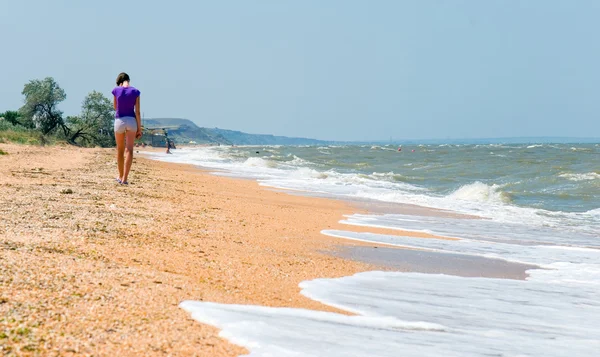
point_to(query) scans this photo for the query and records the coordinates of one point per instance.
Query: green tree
(94, 126)
(40, 110)
(11, 117)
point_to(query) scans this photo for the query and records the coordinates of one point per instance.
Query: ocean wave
(298, 161)
(581, 149)
(480, 192)
(389, 176)
(259, 162)
(270, 150)
(306, 172)
(593, 212)
(581, 177)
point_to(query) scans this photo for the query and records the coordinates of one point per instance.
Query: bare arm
(115, 102)
(138, 117)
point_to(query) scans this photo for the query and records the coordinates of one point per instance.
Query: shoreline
(92, 267)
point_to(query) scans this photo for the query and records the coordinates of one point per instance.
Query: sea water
(535, 204)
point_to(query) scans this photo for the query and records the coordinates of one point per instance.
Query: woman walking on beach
(128, 126)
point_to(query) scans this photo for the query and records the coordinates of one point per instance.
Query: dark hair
(122, 77)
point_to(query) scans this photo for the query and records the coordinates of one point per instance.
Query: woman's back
(126, 99)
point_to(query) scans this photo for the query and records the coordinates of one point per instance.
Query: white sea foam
(482, 229)
(295, 332)
(542, 255)
(391, 176)
(259, 162)
(553, 313)
(297, 161)
(480, 192)
(593, 213)
(580, 149)
(305, 172)
(581, 177)
(411, 314)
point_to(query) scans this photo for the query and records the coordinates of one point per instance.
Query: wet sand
(420, 261)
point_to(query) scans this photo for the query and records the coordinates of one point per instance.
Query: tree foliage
(40, 110)
(40, 116)
(11, 117)
(94, 126)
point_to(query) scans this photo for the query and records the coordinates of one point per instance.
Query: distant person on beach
(128, 126)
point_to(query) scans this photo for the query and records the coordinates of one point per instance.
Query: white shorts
(125, 124)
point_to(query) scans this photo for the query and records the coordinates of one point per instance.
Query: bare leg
(120, 139)
(129, 140)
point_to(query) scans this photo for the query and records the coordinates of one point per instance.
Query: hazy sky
(326, 69)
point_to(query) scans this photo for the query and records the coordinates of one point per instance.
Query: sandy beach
(90, 267)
